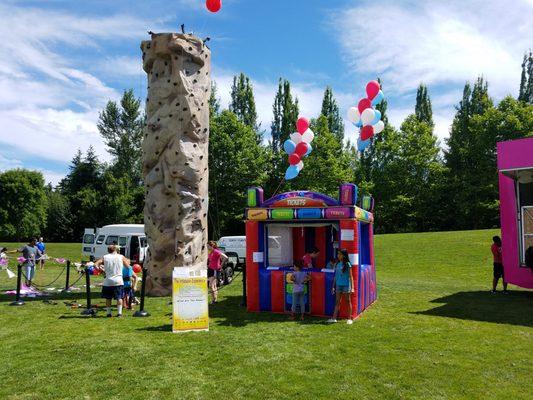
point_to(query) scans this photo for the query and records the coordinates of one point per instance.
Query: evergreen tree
(121, 128)
(214, 101)
(528, 95)
(464, 157)
(242, 101)
(423, 109)
(285, 111)
(331, 111)
(523, 80)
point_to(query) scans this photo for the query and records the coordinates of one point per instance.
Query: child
(342, 285)
(3, 258)
(496, 249)
(331, 264)
(298, 278)
(128, 275)
(309, 257)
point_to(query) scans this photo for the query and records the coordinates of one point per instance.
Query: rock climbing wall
(175, 152)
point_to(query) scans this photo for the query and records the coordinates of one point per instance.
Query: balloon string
(281, 183)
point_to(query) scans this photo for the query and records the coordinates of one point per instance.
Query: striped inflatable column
(252, 268)
(373, 262)
(277, 291)
(349, 241)
(298, 243)
(318, 294)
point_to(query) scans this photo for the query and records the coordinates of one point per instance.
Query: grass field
(435, 333)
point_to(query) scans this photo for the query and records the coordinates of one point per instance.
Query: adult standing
(113, 285)
(214, 265)
(42, 249)
(30, 253)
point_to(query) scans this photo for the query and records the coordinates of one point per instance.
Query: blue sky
(60, 61)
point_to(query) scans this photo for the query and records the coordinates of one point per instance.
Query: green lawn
(434, 333)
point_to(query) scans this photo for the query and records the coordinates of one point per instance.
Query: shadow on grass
(515, 308)
(162, 328)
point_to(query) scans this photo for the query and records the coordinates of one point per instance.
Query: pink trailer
(515, 172)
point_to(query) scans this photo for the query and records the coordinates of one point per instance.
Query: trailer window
(111, 240)
(525, 226)
(122, 241)
(100, 239)
(88, 238)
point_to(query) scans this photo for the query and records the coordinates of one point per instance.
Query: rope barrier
(44, 286)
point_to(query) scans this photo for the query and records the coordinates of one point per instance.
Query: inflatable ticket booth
(282, 229)
(515, 171)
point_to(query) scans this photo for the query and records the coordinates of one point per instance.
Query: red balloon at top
(213, 5)
(302, 125)
(372, 89)
(363, 105)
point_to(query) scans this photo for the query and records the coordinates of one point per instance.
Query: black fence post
(243, 302)
(67, 279)
(18, 301)
(141, 312)
(88, 310)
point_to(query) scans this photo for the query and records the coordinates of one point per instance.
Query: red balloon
(213, 5)
(137, 268)
(363, 105)
(372, 89)
(294, 159)
(301, 149)
(302, 125)
(367, 132)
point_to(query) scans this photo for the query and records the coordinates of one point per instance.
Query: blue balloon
(359, 124)
(376, 118)
(362, 144)
(292, 172)
(289, 146)
(309, 150)
(379, 97)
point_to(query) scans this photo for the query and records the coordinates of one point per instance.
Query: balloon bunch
(213, 5)
(298, 147)
(365, 117)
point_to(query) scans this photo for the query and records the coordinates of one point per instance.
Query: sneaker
(493, 291)
(119, 315)
(349, 322)
(331, 321)
(109, 315)
(505, 292)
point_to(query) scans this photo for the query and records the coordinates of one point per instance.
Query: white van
(234, 244)
(130, 238)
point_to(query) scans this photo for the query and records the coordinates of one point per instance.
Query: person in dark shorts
(113, 285)
(496, 250)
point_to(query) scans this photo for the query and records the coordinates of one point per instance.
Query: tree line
(418, 184)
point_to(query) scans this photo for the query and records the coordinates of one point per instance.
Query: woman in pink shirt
(214, 265)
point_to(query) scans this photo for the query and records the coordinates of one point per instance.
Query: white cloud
(443, 44)
(437, 42)
(49, 105)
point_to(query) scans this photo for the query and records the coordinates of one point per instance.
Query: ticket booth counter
(282, 229)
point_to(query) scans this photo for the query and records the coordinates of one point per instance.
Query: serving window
(525, 210)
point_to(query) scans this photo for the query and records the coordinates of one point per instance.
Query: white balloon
(368, 116)
(353, 114)
(300, 165)
(308, 136)
(296, 137)
(378, 127)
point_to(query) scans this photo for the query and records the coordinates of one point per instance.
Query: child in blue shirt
(130, 284)
(342, 285)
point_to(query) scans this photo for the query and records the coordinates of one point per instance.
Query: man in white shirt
(113, 285)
